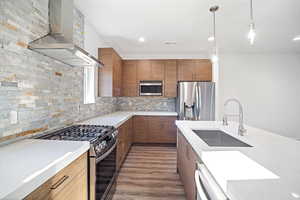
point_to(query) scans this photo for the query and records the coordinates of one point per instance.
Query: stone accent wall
(146, 104)
(36, 92)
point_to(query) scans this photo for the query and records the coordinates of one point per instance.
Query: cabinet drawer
(51, 188)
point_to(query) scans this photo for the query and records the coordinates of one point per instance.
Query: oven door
(104, 174)
(151, 88)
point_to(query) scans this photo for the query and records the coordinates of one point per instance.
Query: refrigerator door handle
(185, 107)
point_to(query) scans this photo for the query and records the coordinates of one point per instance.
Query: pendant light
(213, 38)
(252, 33)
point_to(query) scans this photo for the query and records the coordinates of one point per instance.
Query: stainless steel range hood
(58, 44)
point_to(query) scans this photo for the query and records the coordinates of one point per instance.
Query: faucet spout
(241, 129)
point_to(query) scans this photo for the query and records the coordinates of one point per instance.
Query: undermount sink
(217, 138)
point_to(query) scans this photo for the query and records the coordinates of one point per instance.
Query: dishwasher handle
(208, 188)
(200, 189)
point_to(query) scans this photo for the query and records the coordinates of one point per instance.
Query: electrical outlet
(13, 116)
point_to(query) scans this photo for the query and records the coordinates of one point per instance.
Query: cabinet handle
(59, 182)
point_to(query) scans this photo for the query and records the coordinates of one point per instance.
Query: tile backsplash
(146, 104)
(39, 94)
(36, 92)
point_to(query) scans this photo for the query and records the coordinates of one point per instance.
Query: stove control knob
(97, 149)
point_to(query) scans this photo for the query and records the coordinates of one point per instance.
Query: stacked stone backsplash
(146, 104)
(38, 93)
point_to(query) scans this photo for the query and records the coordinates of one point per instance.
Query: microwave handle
(208, 184)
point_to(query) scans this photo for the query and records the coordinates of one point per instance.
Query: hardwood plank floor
(149, 173)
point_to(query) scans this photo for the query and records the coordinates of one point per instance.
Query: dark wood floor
(149, 173)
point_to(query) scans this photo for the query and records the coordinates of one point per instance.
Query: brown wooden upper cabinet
(194, 70)
(129, 79)
(168, 71)
(170, 83)
(110, 76)
(153, 70)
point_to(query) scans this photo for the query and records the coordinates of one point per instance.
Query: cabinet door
(144, 70)
(130, 131)
(186, 164)
(141, 128)
(203, 70)
(69, 183)
(129, 81)
(170, 129)
(157, 70)
(105, 82)
(186, 70)
(77, 190)
(120, 152)
(180, 157)
(117, 75)
(161, 130)
(170, 79)
(121, 146)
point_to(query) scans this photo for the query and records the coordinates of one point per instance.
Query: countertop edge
(123, 116)
(24, 190)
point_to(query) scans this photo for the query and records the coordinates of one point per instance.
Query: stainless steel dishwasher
(207, 187)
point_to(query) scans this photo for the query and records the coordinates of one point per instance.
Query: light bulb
(297, 38)
(252, 34)
(211, 39)
(214, 58)
(141, 39)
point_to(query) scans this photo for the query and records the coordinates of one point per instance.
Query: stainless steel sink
(217, 138)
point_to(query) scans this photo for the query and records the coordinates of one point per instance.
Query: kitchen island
(269, 170)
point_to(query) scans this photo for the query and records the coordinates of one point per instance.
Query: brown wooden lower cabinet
(186, 165)
(125, 137)
(154, 129)
(69, 183)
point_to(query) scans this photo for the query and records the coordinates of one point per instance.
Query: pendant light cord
(251, 11)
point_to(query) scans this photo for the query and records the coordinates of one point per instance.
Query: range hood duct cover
(59, 44)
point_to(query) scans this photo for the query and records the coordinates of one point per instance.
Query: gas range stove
(100, 137)
(102, 155)
(81, 133)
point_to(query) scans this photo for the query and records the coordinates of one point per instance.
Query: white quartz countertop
(270, 170)
(118, 118)
(27, 164)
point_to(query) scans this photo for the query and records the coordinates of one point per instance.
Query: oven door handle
(106, 153)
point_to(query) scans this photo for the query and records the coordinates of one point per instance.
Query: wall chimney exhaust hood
(58, 44)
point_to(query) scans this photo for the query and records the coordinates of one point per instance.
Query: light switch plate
(13, 117)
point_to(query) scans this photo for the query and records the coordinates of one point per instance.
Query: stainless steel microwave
(151, 88)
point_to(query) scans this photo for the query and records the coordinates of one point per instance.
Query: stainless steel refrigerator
(196, 101)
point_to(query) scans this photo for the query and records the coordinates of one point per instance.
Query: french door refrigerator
(196, 101)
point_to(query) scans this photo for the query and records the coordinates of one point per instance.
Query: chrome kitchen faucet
(241, 129)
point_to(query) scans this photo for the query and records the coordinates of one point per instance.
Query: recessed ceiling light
(211, 39)
(141, 39)
(297, 38)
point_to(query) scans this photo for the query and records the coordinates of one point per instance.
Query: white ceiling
(188, 22)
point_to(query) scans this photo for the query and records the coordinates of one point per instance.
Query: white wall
(268, 85)
(92, 41)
